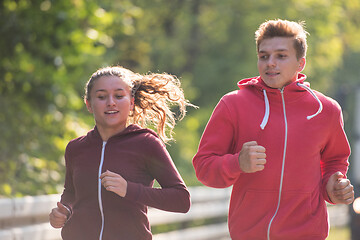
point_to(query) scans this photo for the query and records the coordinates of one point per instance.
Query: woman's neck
(106, 133)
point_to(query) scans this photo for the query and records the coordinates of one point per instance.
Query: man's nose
(271, 61)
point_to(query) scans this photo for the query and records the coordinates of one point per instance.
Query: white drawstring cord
(313, 94)
(267, 111)
(267, 106)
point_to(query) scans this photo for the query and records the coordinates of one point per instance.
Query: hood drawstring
(267, 106)
(317, 99)
(267, 111)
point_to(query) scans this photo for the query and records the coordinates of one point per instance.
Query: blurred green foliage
(48, 50)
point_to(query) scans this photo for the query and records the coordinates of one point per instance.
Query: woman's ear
(88, 106)
(132, 103)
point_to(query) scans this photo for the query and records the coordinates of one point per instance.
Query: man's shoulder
(327, 100)
(231, 94)
(240, 95)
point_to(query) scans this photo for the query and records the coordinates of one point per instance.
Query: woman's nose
(110, 101)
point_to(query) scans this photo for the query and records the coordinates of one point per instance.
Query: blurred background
(49, 49)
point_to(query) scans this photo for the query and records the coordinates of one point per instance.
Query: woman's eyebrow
(104, 90)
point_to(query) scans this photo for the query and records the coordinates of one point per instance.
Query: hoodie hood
(298, 85)
(259, 83)
(129, 130)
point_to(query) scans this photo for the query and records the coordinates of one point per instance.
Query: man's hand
(252, 157)
(339, 189)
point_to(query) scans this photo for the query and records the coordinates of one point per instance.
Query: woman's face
(110, 102)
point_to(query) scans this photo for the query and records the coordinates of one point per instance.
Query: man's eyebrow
(277, 50)
(282, 50)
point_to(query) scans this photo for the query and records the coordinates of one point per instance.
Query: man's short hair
(284, 28)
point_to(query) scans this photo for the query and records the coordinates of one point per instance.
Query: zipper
(283, 164)
(99, 190)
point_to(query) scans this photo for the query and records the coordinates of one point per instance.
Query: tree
(48, 50)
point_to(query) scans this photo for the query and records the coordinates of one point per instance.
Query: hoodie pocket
(252, 214)
(301, 214)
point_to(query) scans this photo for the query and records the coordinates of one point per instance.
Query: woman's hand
(114, 182)
(59, 215)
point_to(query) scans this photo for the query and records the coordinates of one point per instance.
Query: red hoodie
(302, 132)
(140, 157)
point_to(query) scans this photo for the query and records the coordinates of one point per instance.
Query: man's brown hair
(284, 28)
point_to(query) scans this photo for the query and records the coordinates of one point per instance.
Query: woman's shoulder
(91, 137)
(151, 137)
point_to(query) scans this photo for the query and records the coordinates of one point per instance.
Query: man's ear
(88, 106)
(302, 63)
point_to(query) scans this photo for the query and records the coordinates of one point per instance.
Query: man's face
(277, 62)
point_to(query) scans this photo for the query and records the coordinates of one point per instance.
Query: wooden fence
(27, 218)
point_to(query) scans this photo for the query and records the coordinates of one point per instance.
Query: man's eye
(263, 57)
(282, 56)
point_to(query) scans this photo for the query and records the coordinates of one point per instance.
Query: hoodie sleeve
(335, 154)
(68, 195)
(215, 164)
(173, 194)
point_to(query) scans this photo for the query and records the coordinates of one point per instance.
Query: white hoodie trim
(99, 190)
(317, 99)
(283, 165)
(267, 111)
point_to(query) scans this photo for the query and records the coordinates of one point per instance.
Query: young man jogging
(280, 144)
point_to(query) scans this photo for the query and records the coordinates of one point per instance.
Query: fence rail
(27, 218)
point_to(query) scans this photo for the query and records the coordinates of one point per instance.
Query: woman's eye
(119, 96)
(101, 97)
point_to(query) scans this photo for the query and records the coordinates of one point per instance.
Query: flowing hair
(154, 97)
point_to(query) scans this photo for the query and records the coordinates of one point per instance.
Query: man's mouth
(272, 74)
